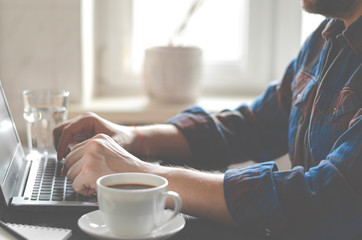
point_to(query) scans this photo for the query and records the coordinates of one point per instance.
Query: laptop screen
(8, 138)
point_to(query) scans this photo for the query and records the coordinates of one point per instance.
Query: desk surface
(195, 229)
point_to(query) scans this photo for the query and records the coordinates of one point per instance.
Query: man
(313, 113)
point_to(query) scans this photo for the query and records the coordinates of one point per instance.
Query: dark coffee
(131, 186)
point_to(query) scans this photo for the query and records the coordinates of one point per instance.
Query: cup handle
(178, 205)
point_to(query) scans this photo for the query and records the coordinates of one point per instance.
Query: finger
(73, 171)
(79, 144)
(64, 140)
(66, 154)
(77, 152)
(84, 184)
(57, 131)
(73, 133)
(73, 157)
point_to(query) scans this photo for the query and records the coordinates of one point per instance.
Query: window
(309, 23)
(243, 41)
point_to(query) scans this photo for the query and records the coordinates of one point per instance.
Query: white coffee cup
(132, 213)
(173, 74)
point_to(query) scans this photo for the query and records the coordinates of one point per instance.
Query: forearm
(163, 140)
(202, 193)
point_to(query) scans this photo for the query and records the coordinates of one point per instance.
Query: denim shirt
(314, 114)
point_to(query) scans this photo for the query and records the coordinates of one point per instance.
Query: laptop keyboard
(51, 186)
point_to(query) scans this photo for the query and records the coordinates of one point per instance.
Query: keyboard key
(57, 198)
(44, 197)
(71, 197)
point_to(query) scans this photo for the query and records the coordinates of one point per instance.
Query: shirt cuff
(252, 199)
(209, 150)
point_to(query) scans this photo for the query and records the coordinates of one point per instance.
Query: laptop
(34, 179)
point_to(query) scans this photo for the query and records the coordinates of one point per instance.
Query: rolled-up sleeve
(252, 198)
(257, 132)
(208, 146)
(323, 203)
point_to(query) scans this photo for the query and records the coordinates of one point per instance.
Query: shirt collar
(351, 34)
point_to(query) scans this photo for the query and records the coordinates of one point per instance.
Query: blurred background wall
(39, 48)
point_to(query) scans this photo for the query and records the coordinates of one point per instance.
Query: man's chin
(338, 9)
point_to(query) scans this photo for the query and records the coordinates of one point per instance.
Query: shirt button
(299, 97)
(268, 232)
(334, 112)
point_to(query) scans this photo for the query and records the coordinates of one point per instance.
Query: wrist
(138, 141)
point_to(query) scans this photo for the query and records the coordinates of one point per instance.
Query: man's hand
(97, 157)
(202, 193)
(86, 126)
(157, 140)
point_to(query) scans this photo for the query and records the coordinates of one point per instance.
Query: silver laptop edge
(14, 178)
(14, 170)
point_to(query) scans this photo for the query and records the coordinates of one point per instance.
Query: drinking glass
(43, 110)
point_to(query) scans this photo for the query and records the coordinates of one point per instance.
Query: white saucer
(92, 224)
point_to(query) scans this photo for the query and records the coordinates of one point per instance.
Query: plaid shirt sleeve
(322, 203)
(257, 132)
(318, 124)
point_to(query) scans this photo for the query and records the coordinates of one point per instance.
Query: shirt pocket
(339, 108)
(301, 88)
(336, 106)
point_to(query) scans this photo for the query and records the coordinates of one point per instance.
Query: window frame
(271, 20)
